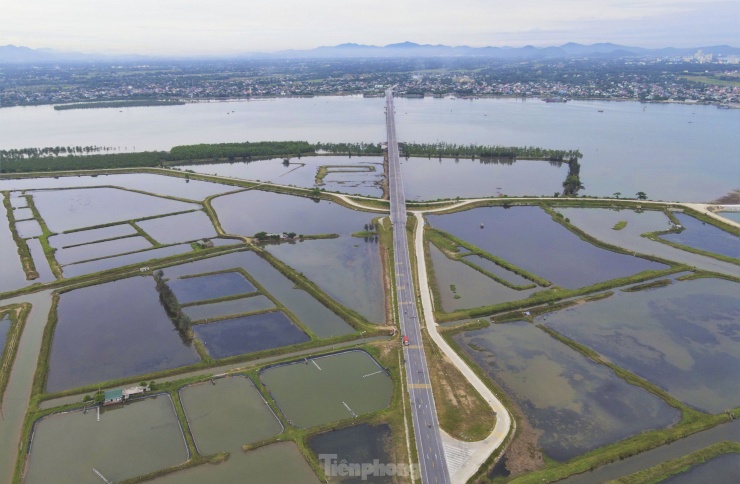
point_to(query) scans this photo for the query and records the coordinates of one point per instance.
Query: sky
(198, 27)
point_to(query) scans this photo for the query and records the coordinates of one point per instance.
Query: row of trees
(182, 321)
(25, 153)
(351, 148)
(484, 152)
(245, 151)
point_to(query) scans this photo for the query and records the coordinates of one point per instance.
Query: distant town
(697, 78)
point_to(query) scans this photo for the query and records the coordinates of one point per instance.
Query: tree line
(172, 306)
(486, 152)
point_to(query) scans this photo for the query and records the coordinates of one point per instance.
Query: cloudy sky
(182, 27)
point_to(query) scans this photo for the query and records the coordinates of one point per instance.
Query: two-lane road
(432, 462)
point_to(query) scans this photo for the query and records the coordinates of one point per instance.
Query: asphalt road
(432, 462)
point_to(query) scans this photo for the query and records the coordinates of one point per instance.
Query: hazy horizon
(227, 27)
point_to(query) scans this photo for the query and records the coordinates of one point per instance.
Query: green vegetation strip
(620, 225)
(29, 267)
(44, 239)
(648, 285)
(662, 471)
(435, 235)
(18, 314)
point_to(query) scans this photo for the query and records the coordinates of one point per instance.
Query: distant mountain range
(11, 54)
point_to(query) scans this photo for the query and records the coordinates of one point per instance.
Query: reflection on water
(113, 330)
(683, 337)
(319, 319)
(358, 444)
(723, 469)
(174, 229)
(347, 268)
(302, 172)
(249, 334)
(530, 239)
(253, 211)
(429, 179)
(213, 286)
(704, 236)
(472, 288)
(64, 210)
(579, 405)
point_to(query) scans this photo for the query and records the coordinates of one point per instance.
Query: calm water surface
(202, 288)
(156, 184)
(176, 229)
(140, 437)
(323, 322)
(89, 236)
(249, 334)
(530, 239)
(347, 268)
(357, 444)
(64, 210)
(113, 330)
(101, 249)
(227, 415)
(682, 337)
(302, 172)
(579, 405)
(247, 213)
(4, 328)
(124, 260)
(473, 288)
(704, 236)
(327, 389)
(228, 308)
(660, 149)
(271, 464)
(723, 469)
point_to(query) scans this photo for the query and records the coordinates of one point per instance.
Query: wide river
(669, 151)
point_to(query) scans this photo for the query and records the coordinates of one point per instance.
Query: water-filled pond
(23, 213)
(64, 210)
(113, 330)
(4, 329)
(734, 216)
(40, 261)
(247, 213)
(471, 287)
(12, 275)
(430, 179)
(530, 239)
(723, 469)
(156, 184)
(578, 405)
(302, 172)
(225, 415)
(28, 228)
(228, 308)
(316, 391)
(271, 464)
(211, 286)
(143, 256)
(128, 440)
(100, 250)
(348, 269)
(174, 229)
(89, 236)
(358, 444)
(704, 236)
(248, 334)
(682, 337)
(319, 319)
